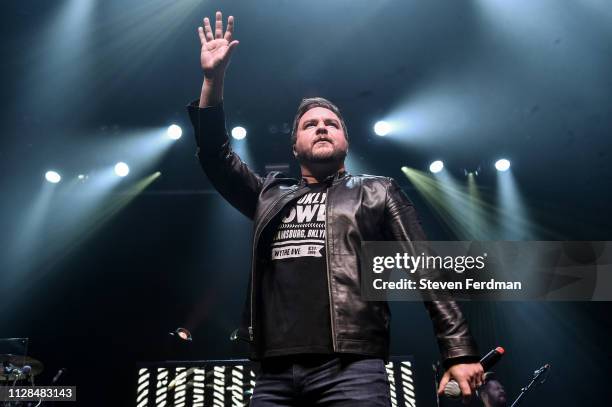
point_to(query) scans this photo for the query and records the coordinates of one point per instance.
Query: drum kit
(18, 370)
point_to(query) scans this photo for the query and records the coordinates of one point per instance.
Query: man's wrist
(214, 81)
(460, 361)
(212, 91)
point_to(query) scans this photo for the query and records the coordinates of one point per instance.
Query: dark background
(87, 83)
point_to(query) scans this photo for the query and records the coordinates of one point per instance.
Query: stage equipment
(472, 171)
(436, 166)
(53, 177)
(382, 128)
(122, 169)
(239, 133)
(182, 333)
(539, 377)
(14, 364)
(222, 383)
(174, 131)
(502, 165)
(16, 367)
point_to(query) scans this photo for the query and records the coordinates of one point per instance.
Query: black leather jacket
(359, 208)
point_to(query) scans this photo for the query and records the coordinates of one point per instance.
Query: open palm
(217, 47)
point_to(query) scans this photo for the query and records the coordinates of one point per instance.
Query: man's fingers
(466, 391)
(219, 26)
(233, 45)
(474, 382)
(201, 35)
(443, 382)
(229, 31)
(231, 48)
(479, 379)
(208, 30)
(471, 380)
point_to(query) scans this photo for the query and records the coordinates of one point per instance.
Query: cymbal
(19, 362)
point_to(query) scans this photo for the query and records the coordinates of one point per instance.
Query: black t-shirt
(295, 296)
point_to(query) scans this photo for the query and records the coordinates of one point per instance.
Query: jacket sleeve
(226, 171)
(450, 326)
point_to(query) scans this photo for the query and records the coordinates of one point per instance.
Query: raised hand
(217, 47)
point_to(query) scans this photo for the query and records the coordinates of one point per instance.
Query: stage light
(239, 133)
(502, 165)
(182, 333)
(122, 169)
(53, 177)
(382, 128)
(436, 166)
(465, 214)
(174, 132)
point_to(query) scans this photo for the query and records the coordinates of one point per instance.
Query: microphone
(543, 371)
(452, 389)
(58, 375)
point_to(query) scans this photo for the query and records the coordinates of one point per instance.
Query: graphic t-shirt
(295, 299)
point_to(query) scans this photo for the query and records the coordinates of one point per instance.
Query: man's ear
(295, 154)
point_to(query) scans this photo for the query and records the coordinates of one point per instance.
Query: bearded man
(318, 341)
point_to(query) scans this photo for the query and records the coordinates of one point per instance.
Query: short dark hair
(309, 103)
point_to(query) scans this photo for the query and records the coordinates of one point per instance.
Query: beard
(328, 156)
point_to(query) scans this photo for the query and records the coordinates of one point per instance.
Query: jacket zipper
(329, 289)
(255, 242)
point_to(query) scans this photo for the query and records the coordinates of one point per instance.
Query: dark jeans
(322, 380)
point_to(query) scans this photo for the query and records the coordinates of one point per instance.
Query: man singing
(318, 341)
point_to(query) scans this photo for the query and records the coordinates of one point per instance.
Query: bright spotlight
(382, 128)
(122, 169)
(182, 333)
(436, 166)
(239, 133)
(502, 165)
(174, 132)
(53, 177)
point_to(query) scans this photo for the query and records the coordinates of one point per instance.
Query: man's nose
(321, 128)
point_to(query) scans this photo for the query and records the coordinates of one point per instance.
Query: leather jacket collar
(332, 179)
